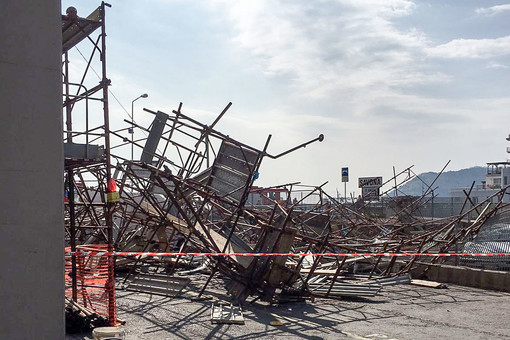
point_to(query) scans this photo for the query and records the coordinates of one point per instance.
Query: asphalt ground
(399, 312)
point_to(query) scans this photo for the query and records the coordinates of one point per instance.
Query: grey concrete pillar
(31, 170)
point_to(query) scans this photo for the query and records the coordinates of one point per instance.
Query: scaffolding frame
(80, 158)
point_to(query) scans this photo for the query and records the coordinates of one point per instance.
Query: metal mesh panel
(492, 238)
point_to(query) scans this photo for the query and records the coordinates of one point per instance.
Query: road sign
(370, 182)
(370, 193)
(345, 174)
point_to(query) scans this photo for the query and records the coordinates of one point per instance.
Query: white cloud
(472, 48)
(380, 89)
(333, 46)
(368, 67)
(493, 10)
(497, 65)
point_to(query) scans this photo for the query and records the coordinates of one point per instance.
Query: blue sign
(345, 174)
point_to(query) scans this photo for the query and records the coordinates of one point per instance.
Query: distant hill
(448, 180)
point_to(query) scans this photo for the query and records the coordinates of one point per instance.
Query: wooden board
(425, 283)
(219, 239)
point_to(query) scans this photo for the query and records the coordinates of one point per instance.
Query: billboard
(370, 187)
(370, 181)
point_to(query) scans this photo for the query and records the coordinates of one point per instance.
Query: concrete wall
(463, 276)
(31, 170)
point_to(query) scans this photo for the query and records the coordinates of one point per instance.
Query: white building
(496, 178)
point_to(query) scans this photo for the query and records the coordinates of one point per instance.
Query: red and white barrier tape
(115, 253)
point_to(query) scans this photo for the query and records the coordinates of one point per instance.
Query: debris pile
(206, 202)
(80, 319)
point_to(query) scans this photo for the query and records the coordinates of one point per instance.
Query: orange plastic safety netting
(93, 289)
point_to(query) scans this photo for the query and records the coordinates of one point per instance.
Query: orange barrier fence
(93, 289)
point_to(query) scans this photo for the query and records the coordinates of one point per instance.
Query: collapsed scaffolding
(190, 193)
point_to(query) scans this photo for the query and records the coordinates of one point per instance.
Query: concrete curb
(464, 276)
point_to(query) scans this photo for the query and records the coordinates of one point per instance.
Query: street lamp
(132, 131)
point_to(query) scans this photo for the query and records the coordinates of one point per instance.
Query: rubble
(81, 319)
(199, 205)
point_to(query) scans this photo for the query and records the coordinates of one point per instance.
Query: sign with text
(370, 193)
(365, 182)
(345, 174)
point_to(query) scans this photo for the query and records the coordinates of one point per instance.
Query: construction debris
(199, 204)
(81, 319)
(430, 284)
(158, 284)
(228, 314)
(192, 191)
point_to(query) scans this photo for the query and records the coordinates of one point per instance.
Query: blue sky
(389, 83)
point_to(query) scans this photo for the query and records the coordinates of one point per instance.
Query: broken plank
(430, 284)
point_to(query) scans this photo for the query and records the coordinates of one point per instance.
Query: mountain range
(446, 181)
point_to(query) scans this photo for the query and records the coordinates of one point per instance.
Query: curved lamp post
(145, 95)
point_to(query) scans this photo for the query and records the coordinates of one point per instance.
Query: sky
(390, 83)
